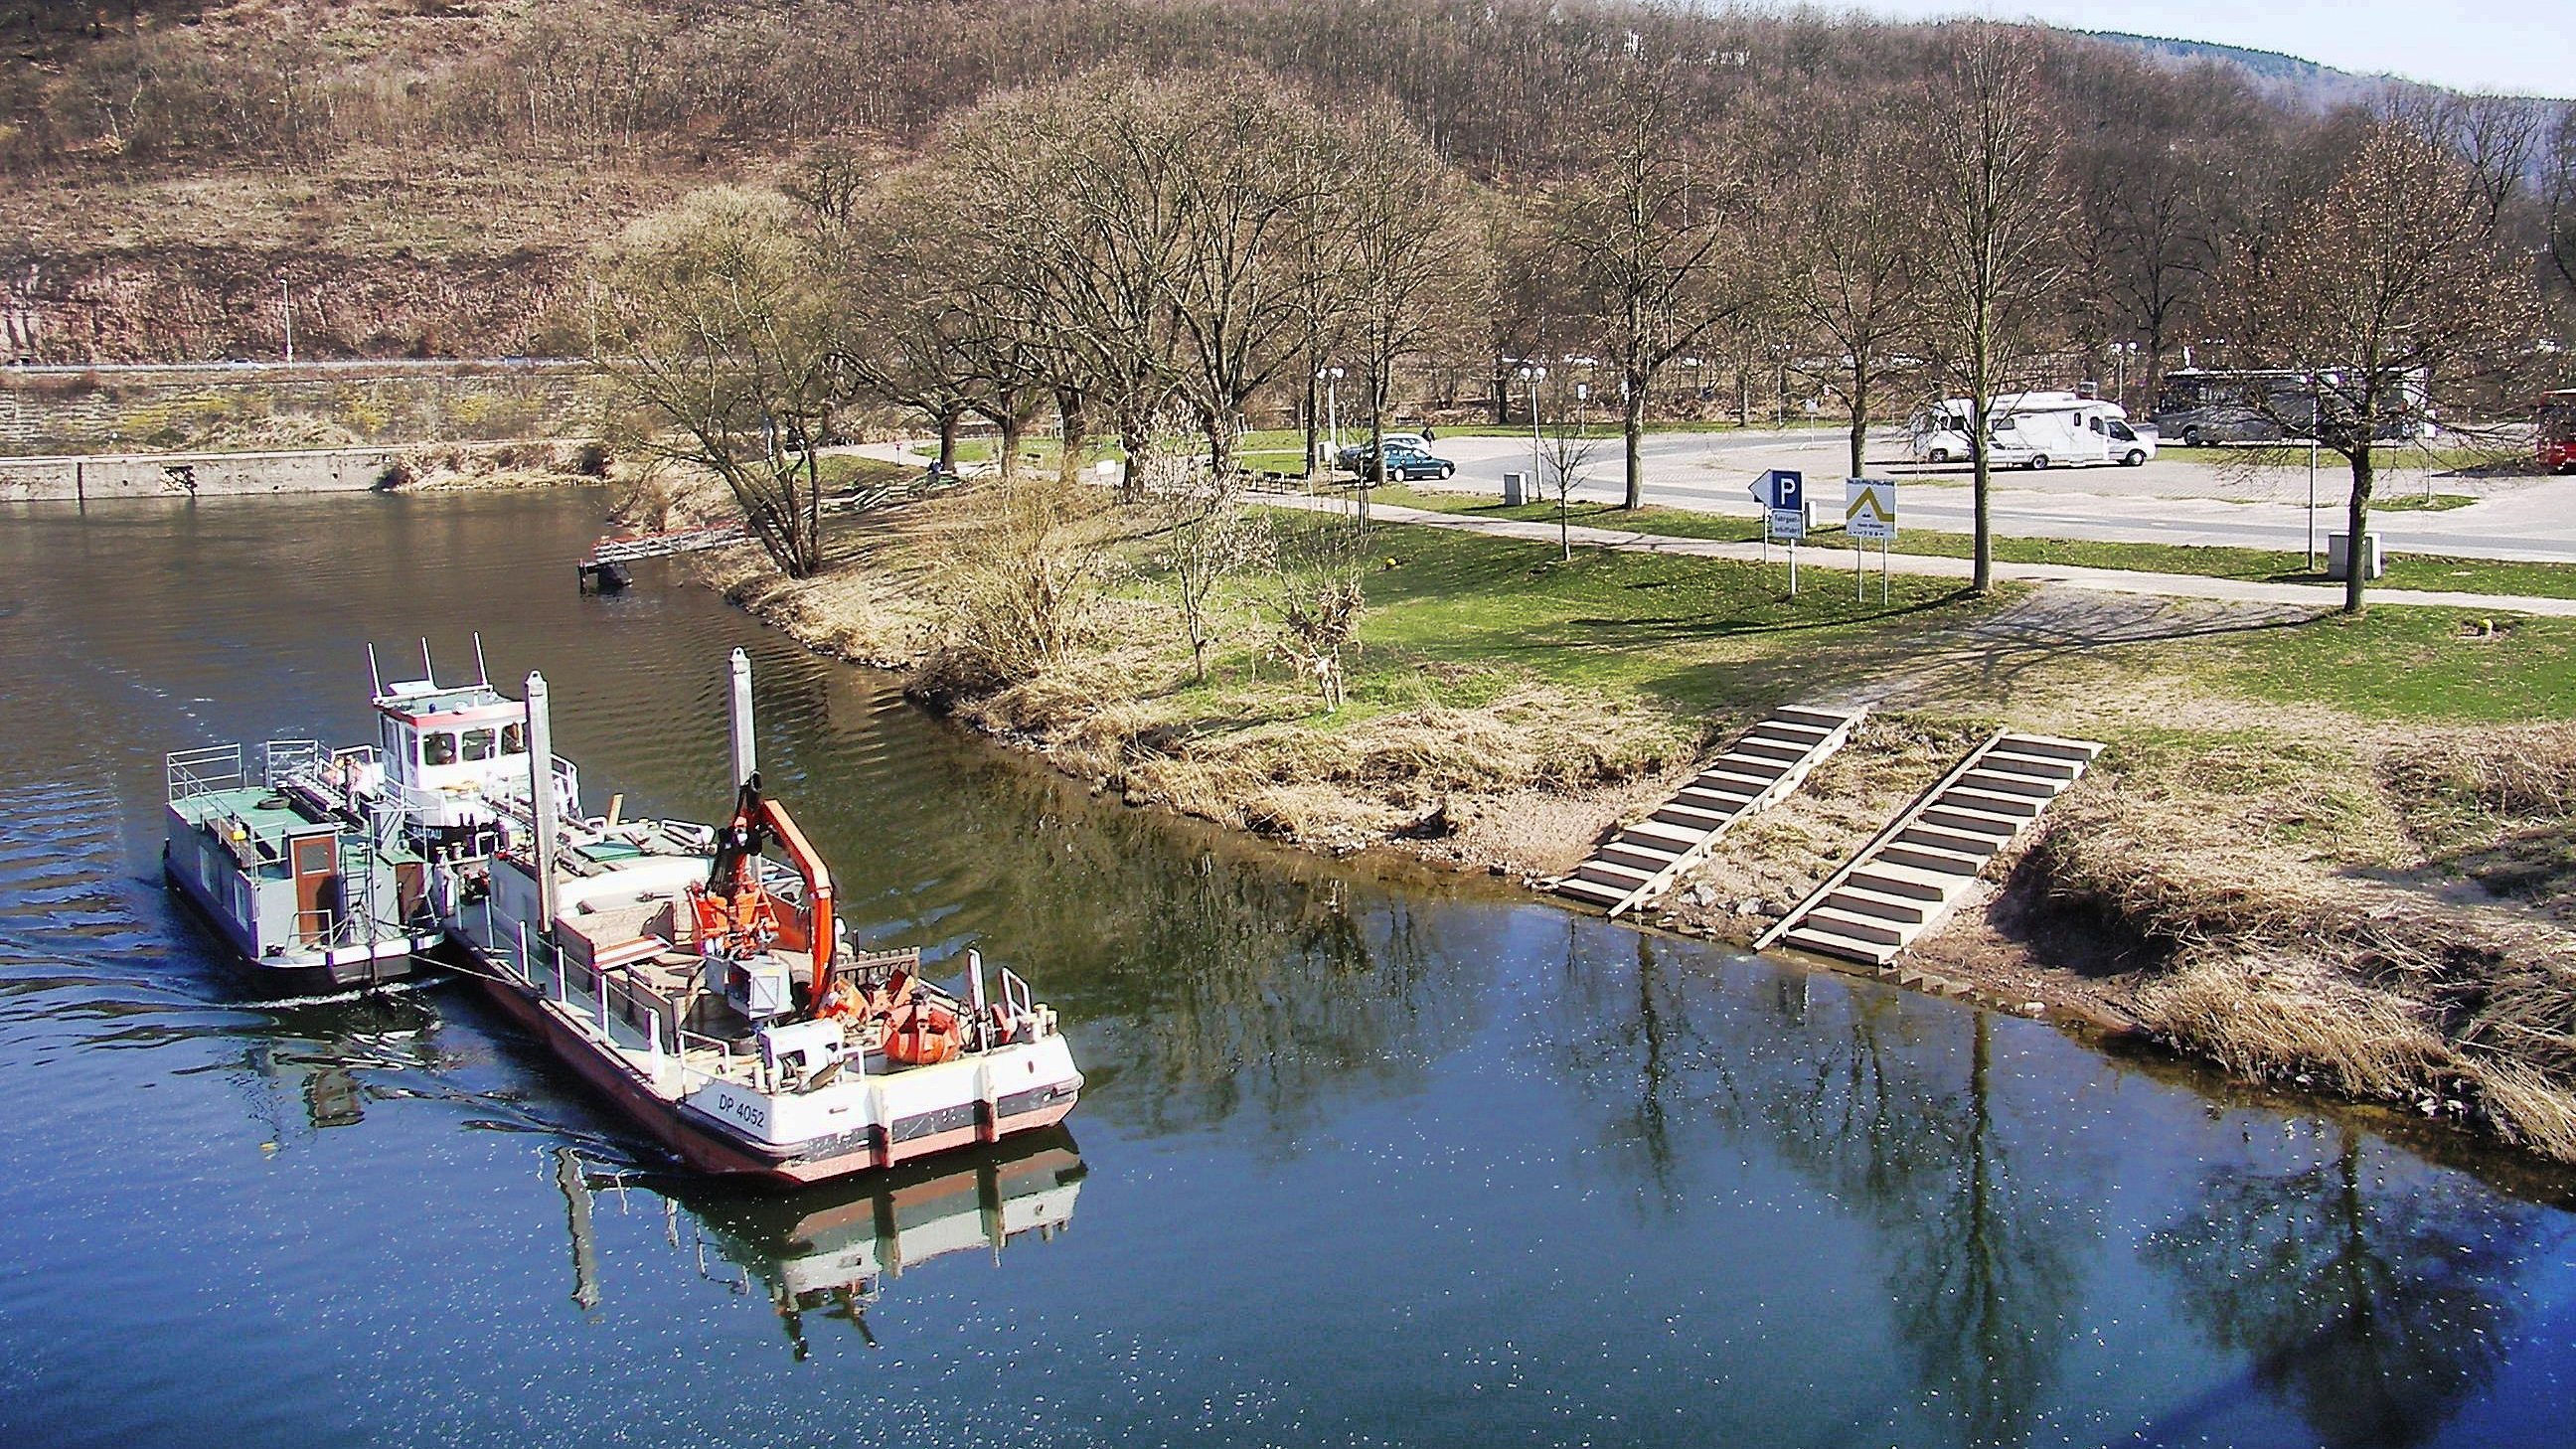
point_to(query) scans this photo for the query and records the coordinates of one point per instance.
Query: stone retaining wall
(197, 475)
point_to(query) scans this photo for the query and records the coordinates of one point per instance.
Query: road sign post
(1869, 515)
(1782, 493)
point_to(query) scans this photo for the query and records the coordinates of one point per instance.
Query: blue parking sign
(1781, 488)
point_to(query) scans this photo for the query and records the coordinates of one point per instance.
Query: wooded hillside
(423, 176)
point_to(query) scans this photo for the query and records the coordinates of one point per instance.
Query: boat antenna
(427, 672)
(482, 676)
(375, 677)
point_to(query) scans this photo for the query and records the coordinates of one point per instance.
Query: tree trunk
(1859, 416)
(1983, 578)
(2356, 519)
(1502, 395)
(948, 421)
(1137, 440)
(1310, 420)
(1632, 429)
(1074, 430)
(1220, 440)
(1013, 426)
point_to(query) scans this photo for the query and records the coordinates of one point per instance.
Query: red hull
(709, 1152)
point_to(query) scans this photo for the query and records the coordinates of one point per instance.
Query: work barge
(709, 991)
(706, 988)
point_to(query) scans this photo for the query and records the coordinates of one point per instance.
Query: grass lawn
(1695, 634)
(2416, 664)
(2405, 571)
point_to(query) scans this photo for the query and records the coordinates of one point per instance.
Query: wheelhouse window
(478, 745)
(514, 739)
(438, 747)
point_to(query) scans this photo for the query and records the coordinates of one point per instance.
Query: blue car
(1401, 463)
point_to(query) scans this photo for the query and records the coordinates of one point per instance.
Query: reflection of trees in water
(1886, 1115)
(2371, 1312)
(1627, 1038)
(1887, 1105)
(1202, 982)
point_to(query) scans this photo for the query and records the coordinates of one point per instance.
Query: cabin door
(317, 887)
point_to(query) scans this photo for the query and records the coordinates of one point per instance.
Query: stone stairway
(1758, 770)
(1906, 879)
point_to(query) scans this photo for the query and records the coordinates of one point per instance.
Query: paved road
(2167, 501)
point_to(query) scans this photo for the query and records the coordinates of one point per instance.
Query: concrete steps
(1907, 878)
(1757, 771)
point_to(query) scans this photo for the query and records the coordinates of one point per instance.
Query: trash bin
(1515, 489)
(2339, 548)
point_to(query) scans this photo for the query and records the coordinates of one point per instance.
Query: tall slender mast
(541, 798)
(745, 758)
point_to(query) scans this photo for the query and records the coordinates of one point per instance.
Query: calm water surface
(1364, 1160)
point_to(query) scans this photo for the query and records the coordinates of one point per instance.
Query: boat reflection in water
(831, 1249)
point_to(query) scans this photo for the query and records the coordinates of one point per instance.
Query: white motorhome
(2032, 430)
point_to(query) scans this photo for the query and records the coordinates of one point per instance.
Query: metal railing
(605, 1008)
(189, 773)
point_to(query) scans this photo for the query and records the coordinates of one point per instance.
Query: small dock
(1757, 771)
(604, 571)
(1910, 874)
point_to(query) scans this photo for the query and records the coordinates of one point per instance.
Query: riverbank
(2326, 853)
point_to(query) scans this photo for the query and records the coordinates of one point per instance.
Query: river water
(1366, 1158)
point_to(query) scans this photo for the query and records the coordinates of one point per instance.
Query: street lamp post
(2121, 352)
(1532, 376)
(287, 306)
(1331, 377)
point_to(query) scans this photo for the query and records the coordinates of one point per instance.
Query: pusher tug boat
(705, 989)
(313, 884)
(327, 870)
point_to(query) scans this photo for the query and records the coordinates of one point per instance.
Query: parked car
(1351, 457)
(1405, 464)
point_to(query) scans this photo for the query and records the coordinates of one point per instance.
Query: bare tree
(1850, 236)
(2387, 283)
(1565, 452)
(1077, 195)
(1208, 537)
(1984, 170)
(2558, 201)
(1406, 266)
(1254, 250)
(715, 322)
(1651, 238)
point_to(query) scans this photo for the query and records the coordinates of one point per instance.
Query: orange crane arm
(818, 888)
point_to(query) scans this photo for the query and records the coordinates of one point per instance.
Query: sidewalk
(1827, 561)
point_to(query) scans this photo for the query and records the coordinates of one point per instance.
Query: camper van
(2033, 430)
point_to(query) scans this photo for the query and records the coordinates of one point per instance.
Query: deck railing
(189, 773)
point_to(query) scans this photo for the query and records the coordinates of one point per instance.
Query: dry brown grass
(1266, 758)
(2286, 1015)
(2308, 937)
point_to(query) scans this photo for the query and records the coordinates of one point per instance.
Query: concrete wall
(203, 475)
(119, 410)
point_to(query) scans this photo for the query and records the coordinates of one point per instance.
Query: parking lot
(2201, 496)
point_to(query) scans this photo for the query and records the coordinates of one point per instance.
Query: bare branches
(1650, 237)
(1986, 171)
(2389, 288)
(713, 319)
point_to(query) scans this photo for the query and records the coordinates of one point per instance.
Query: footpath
(1825, 560)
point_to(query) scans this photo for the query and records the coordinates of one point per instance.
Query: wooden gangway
(1757, 771)
(657, 545)
(1906, 879)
